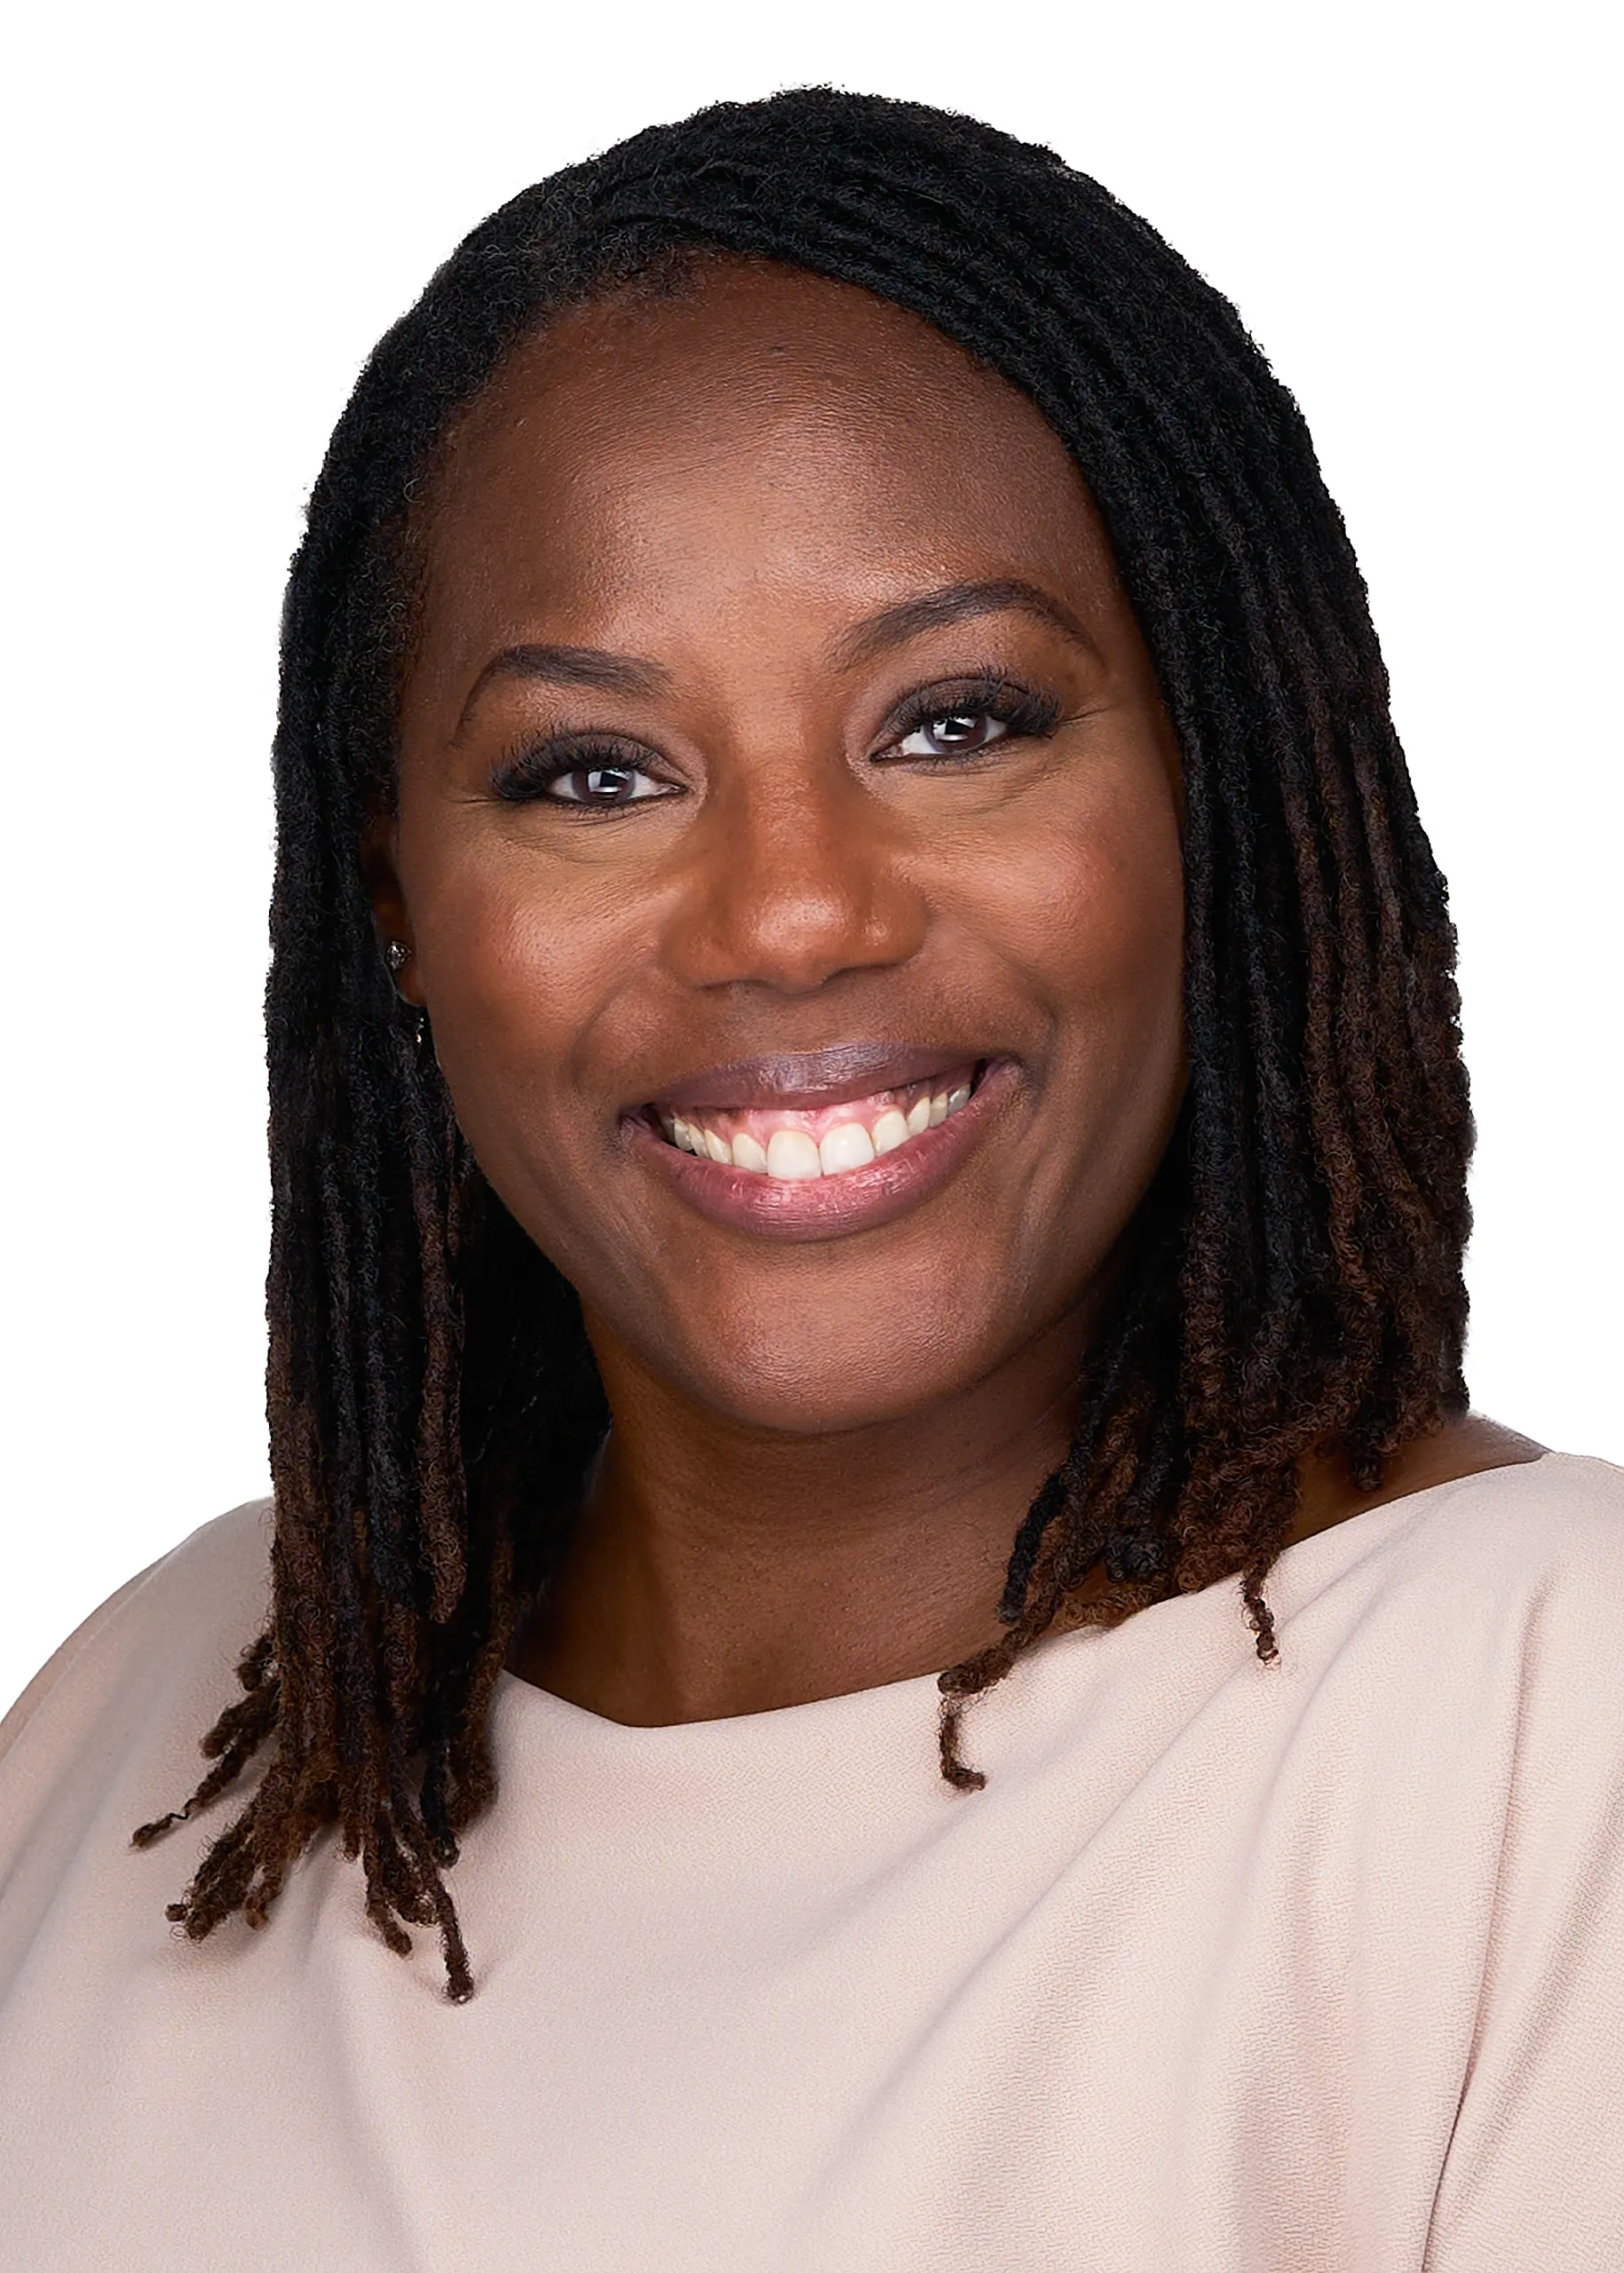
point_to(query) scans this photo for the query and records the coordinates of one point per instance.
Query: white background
(214, 212)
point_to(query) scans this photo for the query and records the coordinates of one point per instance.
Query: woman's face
(779, 760)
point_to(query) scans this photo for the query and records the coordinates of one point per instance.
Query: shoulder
(166, 1642)
(1500, 1593)
(107, 1736)
(1498, 1533)
(1557, 1522)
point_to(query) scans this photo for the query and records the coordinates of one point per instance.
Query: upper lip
(807, 1079)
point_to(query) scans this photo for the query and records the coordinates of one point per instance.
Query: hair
(1296, 1284)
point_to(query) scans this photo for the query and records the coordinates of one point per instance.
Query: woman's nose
(794, 882)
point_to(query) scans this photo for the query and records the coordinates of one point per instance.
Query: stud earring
(397, 954)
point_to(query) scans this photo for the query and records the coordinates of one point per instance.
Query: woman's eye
(953, 734)
(537, 776)
(603, 786)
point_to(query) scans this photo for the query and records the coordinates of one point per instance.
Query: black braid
(1298, 1286)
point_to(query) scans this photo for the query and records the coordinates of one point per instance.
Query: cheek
(1088, 916)
(517, 970)
(1089, 907)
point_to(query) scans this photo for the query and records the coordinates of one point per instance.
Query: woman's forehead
(761, 420)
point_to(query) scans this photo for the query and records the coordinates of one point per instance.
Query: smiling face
(787, 841)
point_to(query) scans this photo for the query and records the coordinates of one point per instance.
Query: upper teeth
(793, 1154)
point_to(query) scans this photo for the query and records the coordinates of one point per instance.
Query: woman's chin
(825, 1392)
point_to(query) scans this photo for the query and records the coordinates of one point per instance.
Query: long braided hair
(1296, 1284)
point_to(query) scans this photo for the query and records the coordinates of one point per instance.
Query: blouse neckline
(899, 1700)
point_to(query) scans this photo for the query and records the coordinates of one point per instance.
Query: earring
(397, 954)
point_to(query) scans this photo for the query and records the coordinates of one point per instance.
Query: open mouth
(805, 1149)
(797, 1145)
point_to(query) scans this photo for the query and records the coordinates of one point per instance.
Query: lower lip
(830, 1206)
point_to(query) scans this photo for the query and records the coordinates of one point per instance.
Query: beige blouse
(1312, 1968)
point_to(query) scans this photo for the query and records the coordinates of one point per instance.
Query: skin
(820, 1449)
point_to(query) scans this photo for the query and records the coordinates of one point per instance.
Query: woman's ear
(382, 879)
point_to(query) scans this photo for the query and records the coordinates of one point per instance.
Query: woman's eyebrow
(569, 666)
(954, 604)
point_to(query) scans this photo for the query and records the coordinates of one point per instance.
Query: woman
(864, 1081)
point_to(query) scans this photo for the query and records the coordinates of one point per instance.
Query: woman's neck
(719, 1569)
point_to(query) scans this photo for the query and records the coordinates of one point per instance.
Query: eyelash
(522, 776)
(1027, 713)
